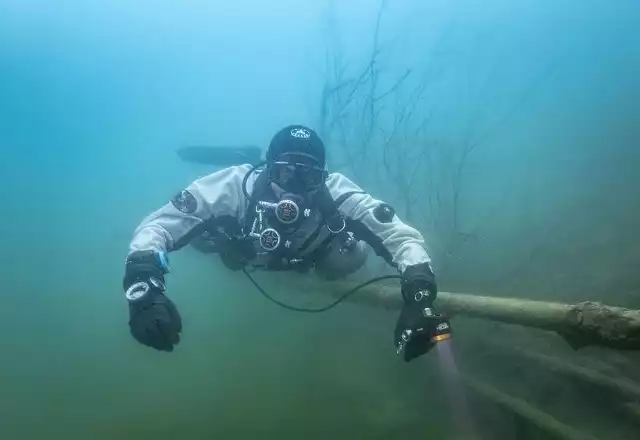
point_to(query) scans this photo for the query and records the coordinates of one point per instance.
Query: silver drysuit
(220, 194)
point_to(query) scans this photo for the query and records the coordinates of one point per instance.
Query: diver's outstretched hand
(418, 330)
(419, 326)
(154, 319)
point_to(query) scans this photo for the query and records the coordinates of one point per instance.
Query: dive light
(442, 330)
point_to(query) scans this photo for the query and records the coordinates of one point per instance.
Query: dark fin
(222, 156)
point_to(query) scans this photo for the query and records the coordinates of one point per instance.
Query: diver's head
(296, 160)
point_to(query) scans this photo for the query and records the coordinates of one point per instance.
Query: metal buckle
(342, 227)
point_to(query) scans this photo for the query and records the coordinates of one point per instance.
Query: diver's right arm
(178, 221)
(153, 318)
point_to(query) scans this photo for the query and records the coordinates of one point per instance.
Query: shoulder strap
(329, 210)
(260, 186)
(344, 196)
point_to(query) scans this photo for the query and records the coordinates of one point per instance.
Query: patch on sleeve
(185, 202)
(384, 213)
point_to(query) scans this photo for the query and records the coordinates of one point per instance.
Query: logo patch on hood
(300, 133)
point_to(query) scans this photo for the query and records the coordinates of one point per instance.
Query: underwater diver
(287, 213)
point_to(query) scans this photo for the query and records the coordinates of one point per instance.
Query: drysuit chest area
(285, 235)
(262, 240)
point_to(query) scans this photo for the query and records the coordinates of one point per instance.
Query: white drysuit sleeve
(400, 244)
(173, 225)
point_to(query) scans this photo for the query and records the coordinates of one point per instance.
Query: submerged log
(581, 324)
(632, 410)
(532, 415)
(623, 387)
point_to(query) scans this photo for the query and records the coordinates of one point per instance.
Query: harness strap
(260, 186)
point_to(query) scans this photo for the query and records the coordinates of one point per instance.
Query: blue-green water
(96, 97)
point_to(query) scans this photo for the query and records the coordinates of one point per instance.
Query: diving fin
(222, 156)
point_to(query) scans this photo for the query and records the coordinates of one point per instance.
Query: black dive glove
(153, 319)
(419, 326)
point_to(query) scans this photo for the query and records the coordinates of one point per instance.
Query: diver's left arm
(401, 245)
(375, 222)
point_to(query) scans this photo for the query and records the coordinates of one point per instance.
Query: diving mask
(297, 175)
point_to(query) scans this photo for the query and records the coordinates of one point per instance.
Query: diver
(286, 213)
